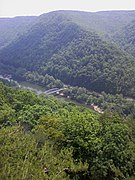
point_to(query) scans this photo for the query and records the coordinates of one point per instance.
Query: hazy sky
(11, 8)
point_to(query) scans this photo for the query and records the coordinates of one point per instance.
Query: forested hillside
(91, 56)
(44, 138)
(78, 48)
(126, 38)
(12, 28)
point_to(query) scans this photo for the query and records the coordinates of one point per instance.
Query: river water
(38, 90)
(24, 85)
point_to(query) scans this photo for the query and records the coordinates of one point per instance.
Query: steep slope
(105, 23)
(126, 38)
(46, 37)
(61, 46)
(12, 28)
(92, 63)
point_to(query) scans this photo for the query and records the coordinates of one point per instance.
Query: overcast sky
(11, 8)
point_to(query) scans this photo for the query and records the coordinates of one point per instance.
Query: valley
(67, 96)
(39, 90)
(72, 53)
(99, 102)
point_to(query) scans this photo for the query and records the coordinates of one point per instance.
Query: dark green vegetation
(43, 138)
(78, 48)
(12, 28)
(126, 38)
(106, 102)
(47, 81)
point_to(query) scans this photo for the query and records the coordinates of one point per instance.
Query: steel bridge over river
(53, 91)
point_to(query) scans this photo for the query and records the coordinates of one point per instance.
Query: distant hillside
(12, 28)
(126, 38)
(105, 22)
(77, 48)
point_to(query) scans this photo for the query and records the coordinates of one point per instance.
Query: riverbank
(41, 90)
(80, 96)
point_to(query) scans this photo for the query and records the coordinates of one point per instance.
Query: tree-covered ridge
(44, 138)
(105, 23)
(126, 38)
(12, 28)
(57, 46)
(94, 64)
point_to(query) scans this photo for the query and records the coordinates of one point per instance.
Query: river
(24, 85)
(39, 90)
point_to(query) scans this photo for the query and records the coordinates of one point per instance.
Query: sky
(12, 8)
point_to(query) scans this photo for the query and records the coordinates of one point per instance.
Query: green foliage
(76, 48)
(12, 28)
(49, 128)
(106, 102)
(44, 138)
(116, 153)
(105, 144)
(21, 158)
(126, 38)
(46, 81)
(7, 115)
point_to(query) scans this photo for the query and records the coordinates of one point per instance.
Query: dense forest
(126, 38)
(105, 102)
(45, 138)
(78, 48)
(12, 28)
(91, 57)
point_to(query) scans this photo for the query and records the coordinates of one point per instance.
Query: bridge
(53, 91)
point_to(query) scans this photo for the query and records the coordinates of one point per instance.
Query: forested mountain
(12, 28)
(42, 137)
(126, 38)
(106, 23)
(78, 48)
